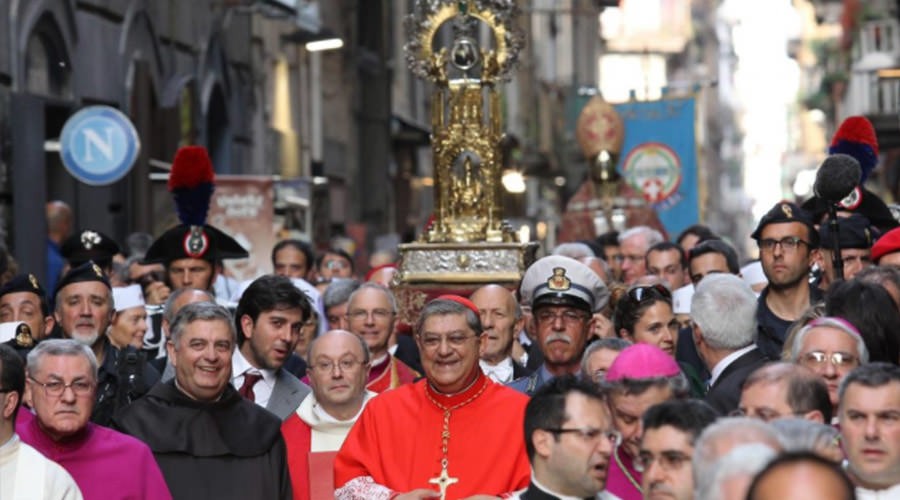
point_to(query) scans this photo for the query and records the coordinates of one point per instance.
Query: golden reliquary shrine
(468, 244)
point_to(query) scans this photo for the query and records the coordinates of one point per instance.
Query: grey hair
(443, 307)
(574, 250)
(724, 435)
(169, 308)
(60, 347)
(200, 311)
(799, 434)
(829, 322)
(338, 292)
(716, 294)
(362, 343)
(679, 385)
(876, 374)
(651, 236)
(371, 285)
(611, 343)
(745, 460)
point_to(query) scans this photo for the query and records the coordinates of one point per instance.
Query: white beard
(86, 339)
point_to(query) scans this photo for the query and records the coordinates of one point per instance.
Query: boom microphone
(837, 177)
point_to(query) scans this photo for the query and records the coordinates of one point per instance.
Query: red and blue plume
(191, 183)
(856, 137)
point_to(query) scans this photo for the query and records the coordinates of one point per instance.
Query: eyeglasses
(362, 314)
(592, 435)
(336, 264)
(345, 365)
(669, 460)
(433, 341)
(788, 244)
(56, 388)
(648, 292)
(569, 317)
(816, 359)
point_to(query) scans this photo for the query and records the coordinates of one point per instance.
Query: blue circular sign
(99, 145)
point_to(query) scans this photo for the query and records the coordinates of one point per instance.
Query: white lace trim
(363, 488)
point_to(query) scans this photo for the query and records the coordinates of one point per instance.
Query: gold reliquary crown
(465, 111)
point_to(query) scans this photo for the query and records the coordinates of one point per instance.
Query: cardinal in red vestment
(455, 433)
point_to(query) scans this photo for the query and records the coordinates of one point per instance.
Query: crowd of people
(624, 367)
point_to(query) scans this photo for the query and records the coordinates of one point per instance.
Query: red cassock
(397, 442)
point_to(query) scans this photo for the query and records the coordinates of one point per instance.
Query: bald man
(501, 318)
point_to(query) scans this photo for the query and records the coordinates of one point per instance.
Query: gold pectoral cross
(443, 482)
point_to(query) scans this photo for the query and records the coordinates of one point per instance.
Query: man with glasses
(454, 435)
(831, 347)
(788, 244)
(338, 365)
(564, 294)
(372, 314)
(24, 473)
(269, 317)
(634, 244)
(784, 390)
(570, 439)
(870, 429)
(667, 447)
(209, 442)
(62, 382)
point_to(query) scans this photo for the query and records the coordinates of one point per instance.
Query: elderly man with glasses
(372, 314)
(831, 347)
(453, 435)
(62, 382)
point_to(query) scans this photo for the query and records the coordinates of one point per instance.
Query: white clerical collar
(551, 492)
(502, 372)
(378, 361)
(240, 365)
(727, 360)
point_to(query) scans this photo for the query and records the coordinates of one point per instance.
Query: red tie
(246, 390)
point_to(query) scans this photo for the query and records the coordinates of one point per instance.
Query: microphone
(837, 177)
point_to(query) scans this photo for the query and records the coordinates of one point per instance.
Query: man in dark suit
(501, 318)
(723, 314)
(268, 320)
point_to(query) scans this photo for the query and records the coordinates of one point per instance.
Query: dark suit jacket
(725, 394)
(408, 352)
(520, 371)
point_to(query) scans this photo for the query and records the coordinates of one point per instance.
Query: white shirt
(501, 373)
(727, 360)
(892, 493)
(262, 390)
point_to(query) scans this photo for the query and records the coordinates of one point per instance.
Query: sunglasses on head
(647, 292)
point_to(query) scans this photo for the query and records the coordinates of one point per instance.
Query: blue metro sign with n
(99, 145)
